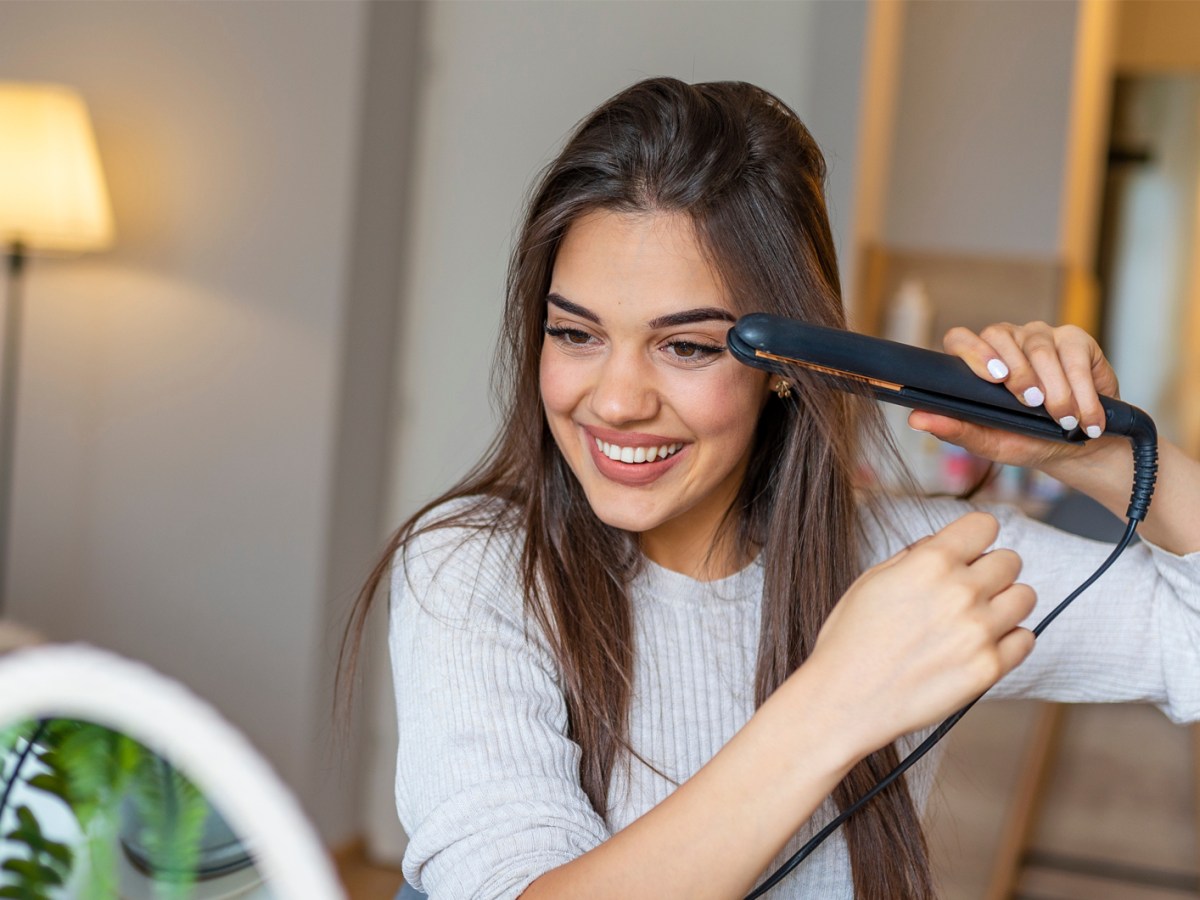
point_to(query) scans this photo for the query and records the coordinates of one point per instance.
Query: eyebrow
(671, 320)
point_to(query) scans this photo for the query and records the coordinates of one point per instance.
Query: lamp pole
(8, 404)
(52, 197)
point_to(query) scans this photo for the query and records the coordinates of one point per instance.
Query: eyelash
(700, 352)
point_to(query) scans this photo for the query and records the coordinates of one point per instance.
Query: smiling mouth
(636, 455)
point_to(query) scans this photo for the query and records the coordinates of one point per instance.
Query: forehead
(635, 264)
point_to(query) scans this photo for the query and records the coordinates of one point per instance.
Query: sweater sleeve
(1134, 635)
(487, 783)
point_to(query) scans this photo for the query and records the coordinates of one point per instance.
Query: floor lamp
(53, 200)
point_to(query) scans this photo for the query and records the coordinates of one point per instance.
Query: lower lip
(632, 474)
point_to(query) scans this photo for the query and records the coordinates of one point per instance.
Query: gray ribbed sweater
(487, 784)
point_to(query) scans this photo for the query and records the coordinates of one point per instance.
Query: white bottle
(910, 315)
(910, 321)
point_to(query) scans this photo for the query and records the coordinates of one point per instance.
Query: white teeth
(634, 455)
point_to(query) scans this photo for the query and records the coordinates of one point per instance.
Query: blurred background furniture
(973, 289)
(14, 636)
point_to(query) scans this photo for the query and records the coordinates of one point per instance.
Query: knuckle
(987, 667)
(1019, 644)
(937, 557)
(988, 524)
(1011, 559)
(1026, 641)
(957, 334)
(960, 596)
(1040, 350)
(1022, 373)
(980, 517)
(1028, 598)
(1059, 399)
(981, 634)
(1077, 371)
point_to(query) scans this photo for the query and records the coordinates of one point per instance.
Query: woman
(657, 637)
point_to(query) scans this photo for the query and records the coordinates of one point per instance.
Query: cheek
(555, 383)
(726, 409)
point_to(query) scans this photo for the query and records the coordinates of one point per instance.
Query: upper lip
(630, 438)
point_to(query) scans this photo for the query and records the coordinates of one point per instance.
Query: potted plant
(119, 793)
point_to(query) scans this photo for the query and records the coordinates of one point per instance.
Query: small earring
(782, 388)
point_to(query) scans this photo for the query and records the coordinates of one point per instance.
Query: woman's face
(654, 416)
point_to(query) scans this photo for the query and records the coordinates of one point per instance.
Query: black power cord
(1143, 435)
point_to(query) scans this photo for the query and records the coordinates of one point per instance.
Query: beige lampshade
(52, 194)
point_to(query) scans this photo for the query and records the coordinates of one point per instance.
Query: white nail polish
(1068, 423)
(1033, 397)
(1093, 431)
(997, 368)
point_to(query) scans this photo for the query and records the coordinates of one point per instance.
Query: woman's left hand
(1061, 368)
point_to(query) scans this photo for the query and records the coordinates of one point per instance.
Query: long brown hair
(742, 166)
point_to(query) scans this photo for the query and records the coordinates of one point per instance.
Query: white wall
(981, 127)
(503, 83)
(177, 449)
(834, 84)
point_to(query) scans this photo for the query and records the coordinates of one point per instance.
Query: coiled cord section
(1145, 474)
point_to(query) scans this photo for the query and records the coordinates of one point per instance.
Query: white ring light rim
(82, 682)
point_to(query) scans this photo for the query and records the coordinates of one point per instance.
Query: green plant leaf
(52, 784)
(27, 819)
(95, 763)
(33, 872)
(173, 812)
(20, 892)
(47, 865)
(40, 844)
(102, 858)
(12, 735)
(91, 769)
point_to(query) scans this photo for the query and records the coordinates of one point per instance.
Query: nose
(625, 391)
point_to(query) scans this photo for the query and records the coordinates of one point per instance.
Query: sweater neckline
(668, 586)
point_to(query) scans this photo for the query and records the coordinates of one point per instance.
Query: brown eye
(569, 337)
(692, 353)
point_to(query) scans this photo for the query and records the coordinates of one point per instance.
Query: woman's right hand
(924, 633)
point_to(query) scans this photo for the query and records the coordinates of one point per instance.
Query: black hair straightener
(931, 381)
(939, 383)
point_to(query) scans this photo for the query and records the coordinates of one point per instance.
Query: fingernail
(1033, 397)
(997, 368)
(1068, 423)
(1093, 431)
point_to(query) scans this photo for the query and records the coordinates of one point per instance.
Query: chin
(617, 514)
